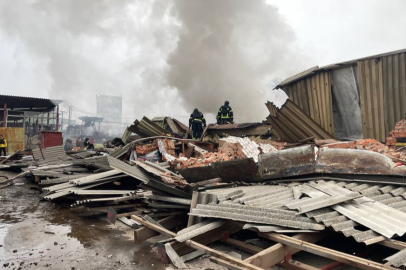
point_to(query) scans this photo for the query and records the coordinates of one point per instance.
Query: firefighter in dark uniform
(197, 122)
(225, 114)
(3, 146)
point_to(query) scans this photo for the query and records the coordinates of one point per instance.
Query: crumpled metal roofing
(256, 215)
(198, 229)
(55, 153)
(276, 196)
(292, 124)
(398, 259)
(377, 216)
(147, 128)
(128, 169)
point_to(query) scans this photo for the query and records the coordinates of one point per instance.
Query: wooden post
(57, 118)
(5, 115)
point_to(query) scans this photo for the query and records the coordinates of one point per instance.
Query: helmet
(195, 110)
(226, 102)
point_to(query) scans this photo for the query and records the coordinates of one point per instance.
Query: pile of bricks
(143, 149)
(399, 131)
(208, 158)
(364, 144)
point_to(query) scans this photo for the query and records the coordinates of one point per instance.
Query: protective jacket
(225, 112)
(197, 117)
(3, 143)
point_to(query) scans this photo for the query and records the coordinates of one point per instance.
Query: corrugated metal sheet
(94, 178)
(292, 124)
(377, 216)
(128, 169)
(15, 138)
(381, 85)
(371, 97)
(256, 215)
(308, 205)
(147, 128)
(50, 154)
(397, 259)
(394, 85)
(198, 229)
(313, 96)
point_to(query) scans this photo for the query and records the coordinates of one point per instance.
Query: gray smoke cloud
(163, 57)
(230, 50)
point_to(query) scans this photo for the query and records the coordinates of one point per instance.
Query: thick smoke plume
(163, 57)
(229, 50)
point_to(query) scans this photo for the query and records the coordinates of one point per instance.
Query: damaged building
(361, 98)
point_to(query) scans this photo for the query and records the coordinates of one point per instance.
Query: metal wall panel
(15, 138)
(292, 124)
(394, 85)
(313, 96)
(372, 98)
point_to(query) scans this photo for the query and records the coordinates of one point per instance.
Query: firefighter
(3, 145)
(196, 121)
(225, 114)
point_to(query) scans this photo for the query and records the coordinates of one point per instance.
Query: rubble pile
(399, 131)
(161, 183)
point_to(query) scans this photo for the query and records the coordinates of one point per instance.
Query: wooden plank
(326, 252)
(145, 233)
(226, 264)
(212, 236)
(249, 248)
(398, 245)
(276, 253)
(291, 264)
(296, 265)
(196, 245)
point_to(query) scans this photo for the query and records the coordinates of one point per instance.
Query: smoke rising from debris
(229, 50)
(163, 57)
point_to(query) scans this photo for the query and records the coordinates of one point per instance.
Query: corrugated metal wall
(371, 95)
(313, 95)
(394, 85)
(15, 138)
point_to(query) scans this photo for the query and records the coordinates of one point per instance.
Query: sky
(167, 57)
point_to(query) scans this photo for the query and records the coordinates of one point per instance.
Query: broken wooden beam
(198, 246)
(325, 252)
(145, 233)
(276, 253)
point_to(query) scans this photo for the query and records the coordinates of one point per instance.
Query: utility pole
(70, 114)
(62, 113)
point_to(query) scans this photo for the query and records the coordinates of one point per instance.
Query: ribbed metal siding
(15, 138)
(292, 124)
(371, 97)
(313, 96)
(394, 85)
